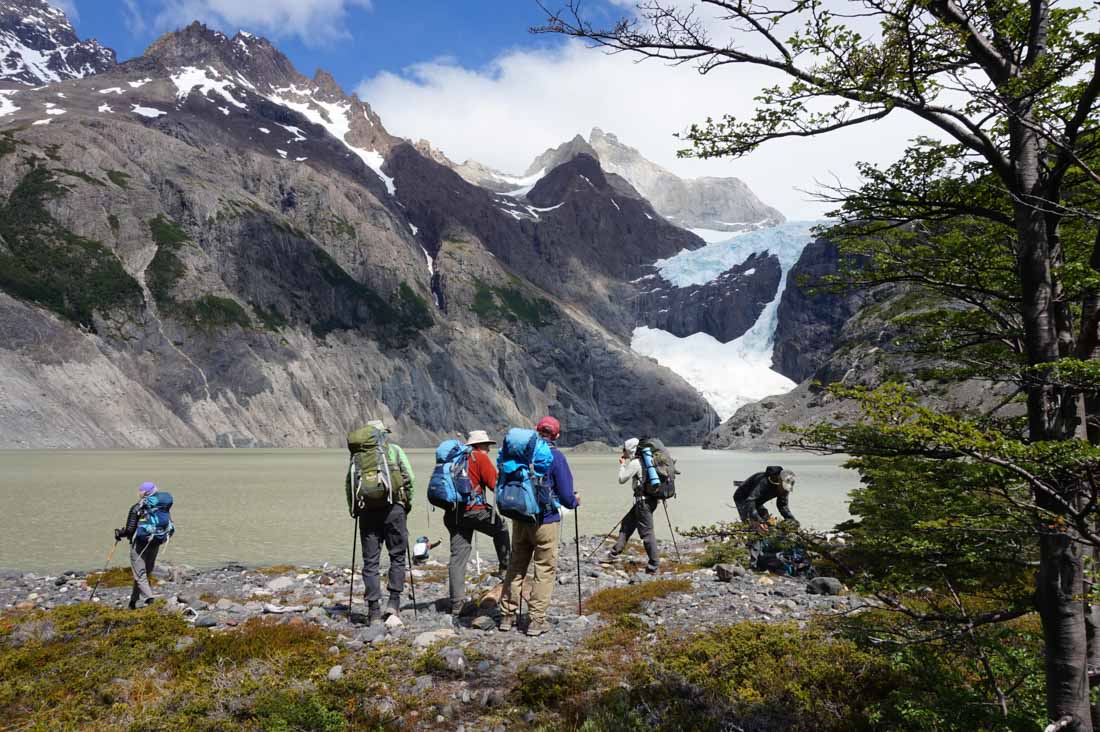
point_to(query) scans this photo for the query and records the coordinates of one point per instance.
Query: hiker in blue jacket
(538, 542)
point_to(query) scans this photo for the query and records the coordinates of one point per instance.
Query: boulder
(454, 659)
(280, 583)
(726, 572)
(824, 586)
(427, 638)
(483, 622)
(336, 673)
(206, 620)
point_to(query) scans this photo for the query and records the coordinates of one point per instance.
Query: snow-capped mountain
(711, 208)
(241, 255)
(38, 46)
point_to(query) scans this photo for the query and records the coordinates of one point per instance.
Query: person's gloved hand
(118, 534)
(577, 498)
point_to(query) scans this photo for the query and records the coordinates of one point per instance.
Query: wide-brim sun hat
(479, 437)
(378, 425)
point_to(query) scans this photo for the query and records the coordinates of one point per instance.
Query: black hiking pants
(385, 526)
(640, 518)
(462, 525)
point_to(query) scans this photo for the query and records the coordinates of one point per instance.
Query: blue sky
(469, 77)
(388, 35)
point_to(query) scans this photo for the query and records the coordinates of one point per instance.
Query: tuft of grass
(120, 179)
(116, 577)
(622, 632)
(277, 569)
(210, 312)
(82, 176)
(730, 551)
(300, 648)
(431, 662)
(630, 599)
(548, 692)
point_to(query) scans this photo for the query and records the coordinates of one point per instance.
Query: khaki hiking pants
(538, 543)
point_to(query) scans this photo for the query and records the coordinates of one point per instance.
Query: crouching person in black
(760, 488)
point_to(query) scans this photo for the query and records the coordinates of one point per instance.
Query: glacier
(728, 375)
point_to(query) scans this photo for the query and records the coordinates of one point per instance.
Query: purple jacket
(560, 481)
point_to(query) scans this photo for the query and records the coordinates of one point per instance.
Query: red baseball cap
(550, 425)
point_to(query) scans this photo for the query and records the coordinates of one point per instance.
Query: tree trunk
(1061, 577)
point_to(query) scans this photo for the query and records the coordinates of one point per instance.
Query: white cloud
(314, 21)
(527, 100)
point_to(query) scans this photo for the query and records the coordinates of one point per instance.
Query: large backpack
(522, 465)
(155, 518)
(449, 487)
(369, 484)
(658, 468)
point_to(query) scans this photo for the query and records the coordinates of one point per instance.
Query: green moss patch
(116, 577)
(120, 179)
(631, 598)
(510, 304)
(50, 265)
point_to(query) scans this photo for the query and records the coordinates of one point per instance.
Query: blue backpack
(522, 465)
(449, 487)
(155, 520)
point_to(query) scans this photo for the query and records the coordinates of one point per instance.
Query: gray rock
(385, 708)
(726, 572)
(493, 698)
(483, 622)
(336, 673)
(280, 583)
(206, 620)
(224, 604)
(824, 586)
(184, 642)
(427, 638)
(368, 634)
(455, 659)
(421, 685)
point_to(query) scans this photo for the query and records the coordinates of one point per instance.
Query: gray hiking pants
(386, 526)
(640, 518)
(143, 556)
(462, 527)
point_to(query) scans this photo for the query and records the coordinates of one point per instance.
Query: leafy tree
(1006, 212)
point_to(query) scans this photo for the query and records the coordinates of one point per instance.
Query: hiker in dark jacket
(538, 542)
(143, 549)
(640, 516)
(387, 526)
(751, 495)
(478, 516)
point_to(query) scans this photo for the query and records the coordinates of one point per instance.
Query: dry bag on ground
(522, 464)
(449, 487)
(155, 518)
(658, 468)
(368, 485)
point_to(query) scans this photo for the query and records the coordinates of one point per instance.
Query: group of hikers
(530, 482)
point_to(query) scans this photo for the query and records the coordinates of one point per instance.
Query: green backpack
(376, 478)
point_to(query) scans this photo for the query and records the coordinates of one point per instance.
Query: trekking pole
(351, 584)
(671, 531)
(577, 538)
(412, 579)
(105, 566)
(602, 540)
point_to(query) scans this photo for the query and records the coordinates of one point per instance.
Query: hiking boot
(393, 607)
(374, 612)
(612, 557)
(651, 568)
(537, 627)
(458, 607)
(506, 623)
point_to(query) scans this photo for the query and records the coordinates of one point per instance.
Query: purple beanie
(148, 489)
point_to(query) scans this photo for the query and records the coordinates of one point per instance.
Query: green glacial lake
(263, 507)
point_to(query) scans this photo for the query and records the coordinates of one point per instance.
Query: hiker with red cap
(475, 515)
(148, 526)
(537, 541)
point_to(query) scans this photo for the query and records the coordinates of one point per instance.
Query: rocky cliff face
(725, 307)
(810, 323)
(203, 247)
(38, 46)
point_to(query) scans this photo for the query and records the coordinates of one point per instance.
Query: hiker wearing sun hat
(148, 525)
(477, 516)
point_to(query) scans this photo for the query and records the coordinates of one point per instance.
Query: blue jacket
(560, 481)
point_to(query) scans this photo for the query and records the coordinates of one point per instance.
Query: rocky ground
(474, 659)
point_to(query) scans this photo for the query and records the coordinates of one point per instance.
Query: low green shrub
(730, 551)
(631, 598)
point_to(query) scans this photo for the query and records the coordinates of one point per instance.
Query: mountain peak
(38, 46)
